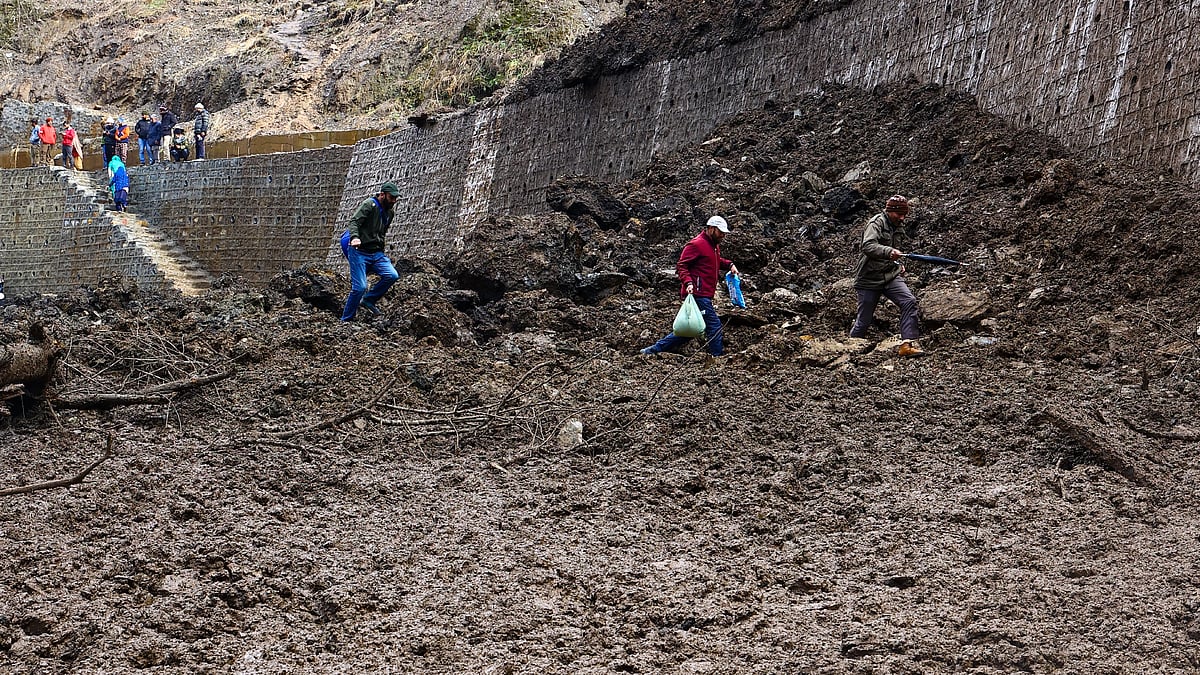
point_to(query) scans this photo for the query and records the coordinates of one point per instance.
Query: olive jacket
(875, 268)
(370, 224)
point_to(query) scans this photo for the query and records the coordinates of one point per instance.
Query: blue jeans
(897, 291)
(145, 154)
(199, 147)
(712, 332)
(360, 264)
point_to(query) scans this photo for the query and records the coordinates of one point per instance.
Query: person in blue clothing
(35, 143)
(118, 182)
(156, 134)
(363, 244)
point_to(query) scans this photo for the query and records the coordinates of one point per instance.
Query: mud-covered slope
(657, 31)
(410, 493)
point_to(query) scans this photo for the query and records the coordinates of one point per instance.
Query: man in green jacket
(879, 274)
(363, 244)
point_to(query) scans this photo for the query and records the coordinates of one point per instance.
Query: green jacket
(370, 224)
(875, 267)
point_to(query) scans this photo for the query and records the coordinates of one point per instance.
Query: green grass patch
(493, 51)
(18, 19)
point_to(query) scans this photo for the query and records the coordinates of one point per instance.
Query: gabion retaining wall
(54, 237)
(250, 216)
(1118, 79)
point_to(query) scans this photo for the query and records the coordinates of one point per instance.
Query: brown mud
(412, 493)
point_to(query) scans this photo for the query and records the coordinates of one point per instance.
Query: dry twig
(1190, 436)
(63, 482)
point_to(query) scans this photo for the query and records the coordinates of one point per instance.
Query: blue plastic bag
(733, 282)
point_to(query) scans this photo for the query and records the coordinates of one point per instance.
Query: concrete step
(171, 260)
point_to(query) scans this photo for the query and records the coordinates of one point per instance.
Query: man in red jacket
(698, 269)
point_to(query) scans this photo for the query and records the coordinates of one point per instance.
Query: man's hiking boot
(910, 348)
(370, 307)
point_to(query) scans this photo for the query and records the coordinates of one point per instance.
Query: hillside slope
(278, 66)
(487, 478)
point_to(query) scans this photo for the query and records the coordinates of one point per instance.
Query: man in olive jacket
(879, 275)
(363, 244)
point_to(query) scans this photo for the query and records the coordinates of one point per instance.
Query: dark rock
(578, 197)
(594, 287)
(900, 581)
(317, 286)
(842, 202)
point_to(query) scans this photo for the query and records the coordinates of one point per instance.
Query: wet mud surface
(487, 478)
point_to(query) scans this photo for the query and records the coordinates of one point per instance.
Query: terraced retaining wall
(1118, 79)
(249, 216)
(54, 237)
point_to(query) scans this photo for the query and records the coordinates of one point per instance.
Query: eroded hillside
(488, 478)
(277, 67)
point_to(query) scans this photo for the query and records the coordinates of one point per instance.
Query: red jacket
(48, 135)
(68, 137)
(699, 263)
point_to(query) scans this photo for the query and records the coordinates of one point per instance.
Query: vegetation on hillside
(494, 49)
(17, 17)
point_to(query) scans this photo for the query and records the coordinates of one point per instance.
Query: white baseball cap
(719, 223)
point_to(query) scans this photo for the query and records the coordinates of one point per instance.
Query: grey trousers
(897, 291)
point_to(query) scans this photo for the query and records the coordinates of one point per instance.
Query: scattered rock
(570, 435)
(949, 304)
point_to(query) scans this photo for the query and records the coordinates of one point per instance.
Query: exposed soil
(655, 31)
(1022, 499)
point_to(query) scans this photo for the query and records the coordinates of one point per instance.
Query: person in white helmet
(201, 128)
(698, 272)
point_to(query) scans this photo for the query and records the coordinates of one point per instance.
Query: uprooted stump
(29, 365)
(1113, 444)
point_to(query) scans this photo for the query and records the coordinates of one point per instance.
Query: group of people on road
(152, 132)
(878, 274)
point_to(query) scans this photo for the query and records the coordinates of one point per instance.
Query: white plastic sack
(689, 322)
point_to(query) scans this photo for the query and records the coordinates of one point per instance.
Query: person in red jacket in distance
(698, 268)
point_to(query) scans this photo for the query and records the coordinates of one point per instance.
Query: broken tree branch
(148, 396)
(1190, 435)
(63, 482)
(108, 401)
(1112, 445)
(187, 383)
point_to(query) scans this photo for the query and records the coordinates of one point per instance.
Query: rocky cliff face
(275, 67)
